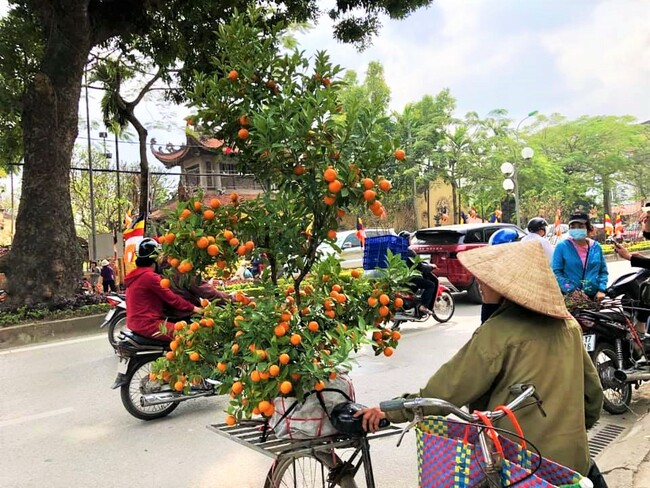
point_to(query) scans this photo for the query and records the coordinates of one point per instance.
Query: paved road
(61, 425)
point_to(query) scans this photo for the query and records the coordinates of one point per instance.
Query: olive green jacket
(514, 346)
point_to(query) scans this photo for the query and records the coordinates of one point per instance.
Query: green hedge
(639, 246)
(23, 315)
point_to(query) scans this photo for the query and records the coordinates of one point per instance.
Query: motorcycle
(115, 318)
(142, 397)
(620, 353)
(442, 310)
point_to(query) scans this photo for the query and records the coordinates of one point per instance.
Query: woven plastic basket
(375, 250)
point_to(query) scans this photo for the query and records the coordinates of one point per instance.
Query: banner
(132, 237)
(361, 232)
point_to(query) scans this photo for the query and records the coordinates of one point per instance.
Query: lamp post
(511, 184)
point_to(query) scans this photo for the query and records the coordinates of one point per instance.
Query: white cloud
(605, 61)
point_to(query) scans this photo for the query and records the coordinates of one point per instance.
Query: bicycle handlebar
(523, 392)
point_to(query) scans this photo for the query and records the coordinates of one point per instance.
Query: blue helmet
(503, 236)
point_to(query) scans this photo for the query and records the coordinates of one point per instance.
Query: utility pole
(90, 175)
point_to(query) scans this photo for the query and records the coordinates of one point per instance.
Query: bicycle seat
(142, 340)
(605, 314)
(343, 419)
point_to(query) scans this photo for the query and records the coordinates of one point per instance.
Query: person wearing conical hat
(531, 338)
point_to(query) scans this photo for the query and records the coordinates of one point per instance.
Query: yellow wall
(439, 197)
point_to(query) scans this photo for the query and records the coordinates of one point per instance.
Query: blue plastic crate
(374, 251)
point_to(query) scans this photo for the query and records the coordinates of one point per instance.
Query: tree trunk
(45, 262)
(607, 191)
(144, 163)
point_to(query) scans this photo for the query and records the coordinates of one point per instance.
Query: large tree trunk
(45, 261)
(144, 164)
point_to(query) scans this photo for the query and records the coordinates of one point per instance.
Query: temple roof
(172, 155)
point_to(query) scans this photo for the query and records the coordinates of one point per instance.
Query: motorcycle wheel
(117, 325)
(138, 383)
(617, 395)
(443, 307)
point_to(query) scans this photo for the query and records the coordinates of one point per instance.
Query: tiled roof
(172, 156)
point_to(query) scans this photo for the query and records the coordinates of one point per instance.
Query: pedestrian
(530, 339)
(537, 232)
(108, 277)
(578, 262)
(95, 272)
(645, 220)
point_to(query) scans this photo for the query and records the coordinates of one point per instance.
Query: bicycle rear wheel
(307, 471)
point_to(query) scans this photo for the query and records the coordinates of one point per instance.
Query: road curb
(624, 459)
(20, 335)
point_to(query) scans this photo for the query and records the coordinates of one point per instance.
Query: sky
(575, 57)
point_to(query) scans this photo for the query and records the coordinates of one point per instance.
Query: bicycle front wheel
(308, 471)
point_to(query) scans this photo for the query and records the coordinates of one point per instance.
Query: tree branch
(145, 90)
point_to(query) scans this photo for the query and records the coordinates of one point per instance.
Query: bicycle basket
(449, 454)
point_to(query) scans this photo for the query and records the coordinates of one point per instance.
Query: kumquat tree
(280, 113)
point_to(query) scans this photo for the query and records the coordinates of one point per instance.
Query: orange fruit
(261, 354)
(170, 355)
(385, 185)
(195, 356)
(256, 411)
(237, 387)
(227, 235)
(367, 183)
(298, 170)
(340, 213)
(369, 195)
(231, 420)
(194, 327)
(250, 245)
(333, 375)
(400, 155)
(180, 325)
(233, 242)
(327, 304)
(264, 375)
(279, 331)
(255, 376)
(241, 250)
(335, 186)
(244, 121)
(174, 262)
(173, 345)
(319, 385)
(242, 133)
(336, 287)
(152, 376)
(372, 301)
(179, 385)
(383, 311)
(295, 339)
(396, 336)
(215, 203)
(185, 214)
(209, 322)
(313, 326)
(388, 352)
(198, 206)
(202, 242)
(399, 303)
(286, 387)
(325, 278)
(331, 234)
(330, 313)
(235, 348)
(221, 264)
(376, 336)
(329, 200)
(233, 75)
(355, 273)
(274, 370)
(233, 198)
(222, 367)
(264, 406)
(170, 238)
(384, 299)
(330, 174)
(284, 325)
(208, 214)
(284, 358)
(341, 298)
(213, 249)
(165, 283)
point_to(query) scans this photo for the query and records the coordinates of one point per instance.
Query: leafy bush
(78, 306)
(638, 247)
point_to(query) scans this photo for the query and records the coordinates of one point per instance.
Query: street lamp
(107, 154)
(510, 184)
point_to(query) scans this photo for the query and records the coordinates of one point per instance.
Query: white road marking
(37, 416)
(54, 344)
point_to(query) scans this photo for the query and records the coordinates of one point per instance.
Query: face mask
(578, 234)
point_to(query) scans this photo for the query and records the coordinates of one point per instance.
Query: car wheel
(474, 294)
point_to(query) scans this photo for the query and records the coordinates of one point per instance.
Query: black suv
(443, 244)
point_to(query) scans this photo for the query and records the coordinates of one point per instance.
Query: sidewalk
(625, 462)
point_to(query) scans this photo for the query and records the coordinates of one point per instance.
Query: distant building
(7, 227)
(206, 164)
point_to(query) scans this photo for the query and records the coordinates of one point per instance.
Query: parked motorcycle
(442, 310)
(143, 398)
(115, 318)
(620, 353)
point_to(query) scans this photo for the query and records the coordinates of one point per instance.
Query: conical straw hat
(520, 272)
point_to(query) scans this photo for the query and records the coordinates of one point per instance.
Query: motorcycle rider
(428, 282)
(536, 232)
(147, 299)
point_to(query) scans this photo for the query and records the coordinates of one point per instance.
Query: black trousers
(595, 476)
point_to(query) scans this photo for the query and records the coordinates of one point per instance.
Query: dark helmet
(405, 234)
(148, 248)
(536, 224)
(503, 236)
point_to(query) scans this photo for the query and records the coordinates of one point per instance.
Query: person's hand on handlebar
(371, 418)
(622, 251)
(198, 310)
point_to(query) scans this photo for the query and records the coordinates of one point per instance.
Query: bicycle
(319, 462)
